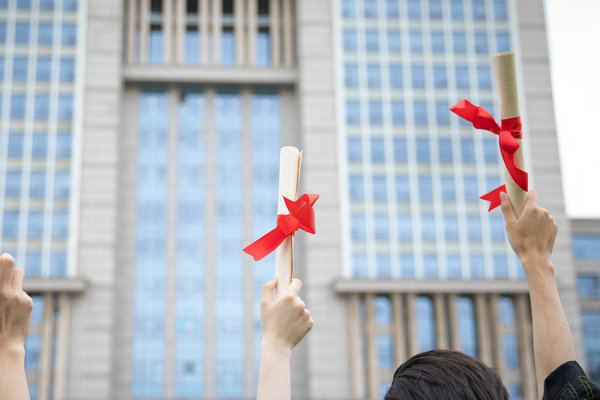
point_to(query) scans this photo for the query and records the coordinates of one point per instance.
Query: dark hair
(445, 374)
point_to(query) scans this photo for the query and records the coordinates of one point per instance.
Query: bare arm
(15, 312)
(284, 322)
(532, 238)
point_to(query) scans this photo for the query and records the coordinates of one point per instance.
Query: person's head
(445, 374)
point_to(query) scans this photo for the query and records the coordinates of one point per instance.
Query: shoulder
(569, 381)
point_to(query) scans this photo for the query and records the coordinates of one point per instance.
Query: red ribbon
(508, 132)
(301, 216)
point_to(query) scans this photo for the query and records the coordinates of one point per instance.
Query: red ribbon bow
(508, 132)
(301, 216)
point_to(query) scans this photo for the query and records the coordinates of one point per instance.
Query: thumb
(267, 291)
(507, 208)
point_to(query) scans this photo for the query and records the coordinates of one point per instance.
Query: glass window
(372, 41)
(497, 230)
(15, 145)
(383, 310)
(445, 151)
(396, 79)
(374, 76)
(2, 32)
(228, 46)
(352, 112)
(490, 151)
(448, 190)
(437, 42)
(400, 150)
(354, 150)
(377, 150)
(60, 224)
(67, 69)
(20, 69)
(62, 184)
(370, 8)
(391, 8)
(511, 350)
(477, 265)
(349, 41)
(413, 9)
(460, 42)
(417, 73)
(428, 228)
(39, 147)
(10, 228)
(58, 263)
(70, 5)
(358, 226)
(263, 45)
(22, 33)
(44, 65)
(24, 4)
(484, 79)
(65, 107)
(425, 188)
(397, 107)
(586, 247)
(42, 106)
(404, 227)
(13, 183)
(379, 188)
(478, 10)
(588, 286)
(351, 75)
(420, 110)
(450, 227)
(442, 115)
(435, 9)
(439, 76)
(349, 8)
(500, 13)
(407, 265)
(456, 9)
(46, 4)
(359, 265)
(394, 42)
(473, 227)
(467, 151)
(375, 112)
(425, 323)
(430, 266)
(422, 146)
(385, 354)
(506, 311)
(3, 4)
(45, 30)
(481, 44)
(356, 188)
(453, 266)
(63, 145)
(500, 266)
(35, 224)
(502, 42)
(382, 230)
(467, 330)
(470, 189)
(416, 41)
(37, 184)
(402, 189)
(69, 35)
(462, 77)
(17, 110)
(590, 320)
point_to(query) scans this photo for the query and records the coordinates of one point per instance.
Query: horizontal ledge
(207, 74)
(46, 285)
(349, 286)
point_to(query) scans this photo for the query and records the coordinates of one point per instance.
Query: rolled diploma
(289, 174)
(505, 76)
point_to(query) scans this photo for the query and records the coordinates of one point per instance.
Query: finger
(267, 291)
(507, 208)
(532, 197)
(16, 281)
(6, 267)
(294, 287)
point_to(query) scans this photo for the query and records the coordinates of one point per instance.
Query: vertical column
(274, 31)
(46, 349)
(357, 377)
(398, 330)
(167, 26)
(131, 28)
(525, 346)
(239, 31)
(441, 337)
(453, 322)
(216, 31)
(180, 29)
(288, 34)
(144, 29)
(251, 30)
(497, 355)
(413, 345)
(203, 10)
(62, 348)
(483, 329)
(209, 247)
(372, 375)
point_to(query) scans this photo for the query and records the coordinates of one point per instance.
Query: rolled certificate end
(505, 76)
(289, 174)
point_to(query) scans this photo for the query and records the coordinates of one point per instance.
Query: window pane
(427, 227)
(473, 227)
(21, 33)
(417, 73)
(407, 266)
(445, 151)
(20, 69)
(404, 227)
(400, 150)
(398, 117)
(462, 77)
(439, 76)
(44, 66)
(354, 150)
(467, 150)
(358, 226)
(372, 41)
(478, 10)
(470, 189)
(375, 112)
(459, 41)
(467, 330)
(450, 227)
(351, 75)
(396, 78)
(348, 8)
(484, 79)
(448, 189)
(502, 42)
(420, 110)
(456, 9)
(379, 188)
(67, 70)
(424, 323)
(402, 189)
(425, 188)
(442, 115)
(413, 9)
(394, 42)
(416, 41)
(586, 247)
(370, 8)
(352, 112)
(373, 76)
(382, 229)
(69, 35)
(377, 150)
(437, 42)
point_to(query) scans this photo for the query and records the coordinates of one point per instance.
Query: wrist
(12, 351)
(537, 264)
(272, 345)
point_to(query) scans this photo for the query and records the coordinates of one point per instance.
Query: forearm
(274, 375)
(552, 340)
(13, 382)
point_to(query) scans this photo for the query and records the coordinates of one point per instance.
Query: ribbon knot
(301, 216)
(508, 133)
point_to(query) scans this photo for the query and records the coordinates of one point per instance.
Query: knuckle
(7, 259)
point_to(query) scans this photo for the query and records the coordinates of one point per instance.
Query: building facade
(139, 150)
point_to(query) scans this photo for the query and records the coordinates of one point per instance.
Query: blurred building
(139, 151)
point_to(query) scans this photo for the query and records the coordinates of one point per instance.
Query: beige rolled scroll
(289, 175)
(505, 76)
